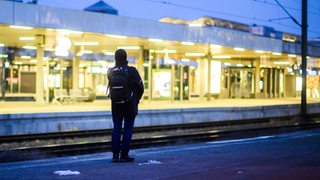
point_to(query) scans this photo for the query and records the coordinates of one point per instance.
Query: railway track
(82, 141)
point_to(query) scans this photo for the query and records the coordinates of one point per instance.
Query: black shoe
(126, 158)
(115, 157)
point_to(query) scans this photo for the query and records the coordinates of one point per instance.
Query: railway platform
(283, 156)
(30, 117)
(19, 107)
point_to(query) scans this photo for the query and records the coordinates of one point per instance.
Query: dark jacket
(136, 85)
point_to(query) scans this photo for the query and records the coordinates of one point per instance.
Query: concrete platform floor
(17, 107)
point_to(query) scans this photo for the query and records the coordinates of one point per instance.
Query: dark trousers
(121, 117)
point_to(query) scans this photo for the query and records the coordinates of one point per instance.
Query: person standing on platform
(125, 90)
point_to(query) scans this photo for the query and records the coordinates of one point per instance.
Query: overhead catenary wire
(291, 17)
(241, 16)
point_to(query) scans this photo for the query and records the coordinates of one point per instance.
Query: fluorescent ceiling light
(221, 57)
(259, 51)
(239, 65)
(238, 49)
(281, 62)
(86, 52)
(27, 38)
(29, 47)
(109, 53)
(1, 45)
(129, 47)
(185, 59)
(276, 53)
(18, 62)
(67, 32)
(165, 51)
(215, 46)
(227, 64)
(155, 40)
(86, 43)
(195, 25)
(292, 55)
(25, 57)
(20, 27)
(117, 36)
(195, 54)
(187, 43)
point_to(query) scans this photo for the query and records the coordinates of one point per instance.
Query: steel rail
(241, 131)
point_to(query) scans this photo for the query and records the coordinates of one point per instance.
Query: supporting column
(39, 76)
(61, 74)
(202, 72)
(181, 81)
(150, 76)
(3, 77)
(75, 71)
(209, 57)
(257, 80)
(140, 63)
(265, 83)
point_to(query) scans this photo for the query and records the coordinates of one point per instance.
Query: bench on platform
(74, 95)
(61, 96)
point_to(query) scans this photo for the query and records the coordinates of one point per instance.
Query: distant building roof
(102, 7)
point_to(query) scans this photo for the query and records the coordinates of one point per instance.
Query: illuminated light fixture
(276, 53)
(239, 65)
(227, 64)
(25, 57)
(185, 59)
(155, 40)
(292, 55)
(67, 32)
(259, 51)
(195, 54)
(33, 60)
(221, 57)
(27, 38)
(86, 43)
(109, 53)
(238, 49)
(281, 62)
(18, 63)
(29, 47)
(1, 45)
(21, 27)
(145, 64)
(76, 32)
(187, 43)
(86, 52)
(129, 47)
(195, 25)
(165, 51)
(117, 36)
(215, 46)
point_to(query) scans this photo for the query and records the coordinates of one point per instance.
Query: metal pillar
(75, 71)
(3, 78)
(40, 76)
(304, 50)
(209, 57)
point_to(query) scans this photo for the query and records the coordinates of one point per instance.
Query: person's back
(124, 110)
